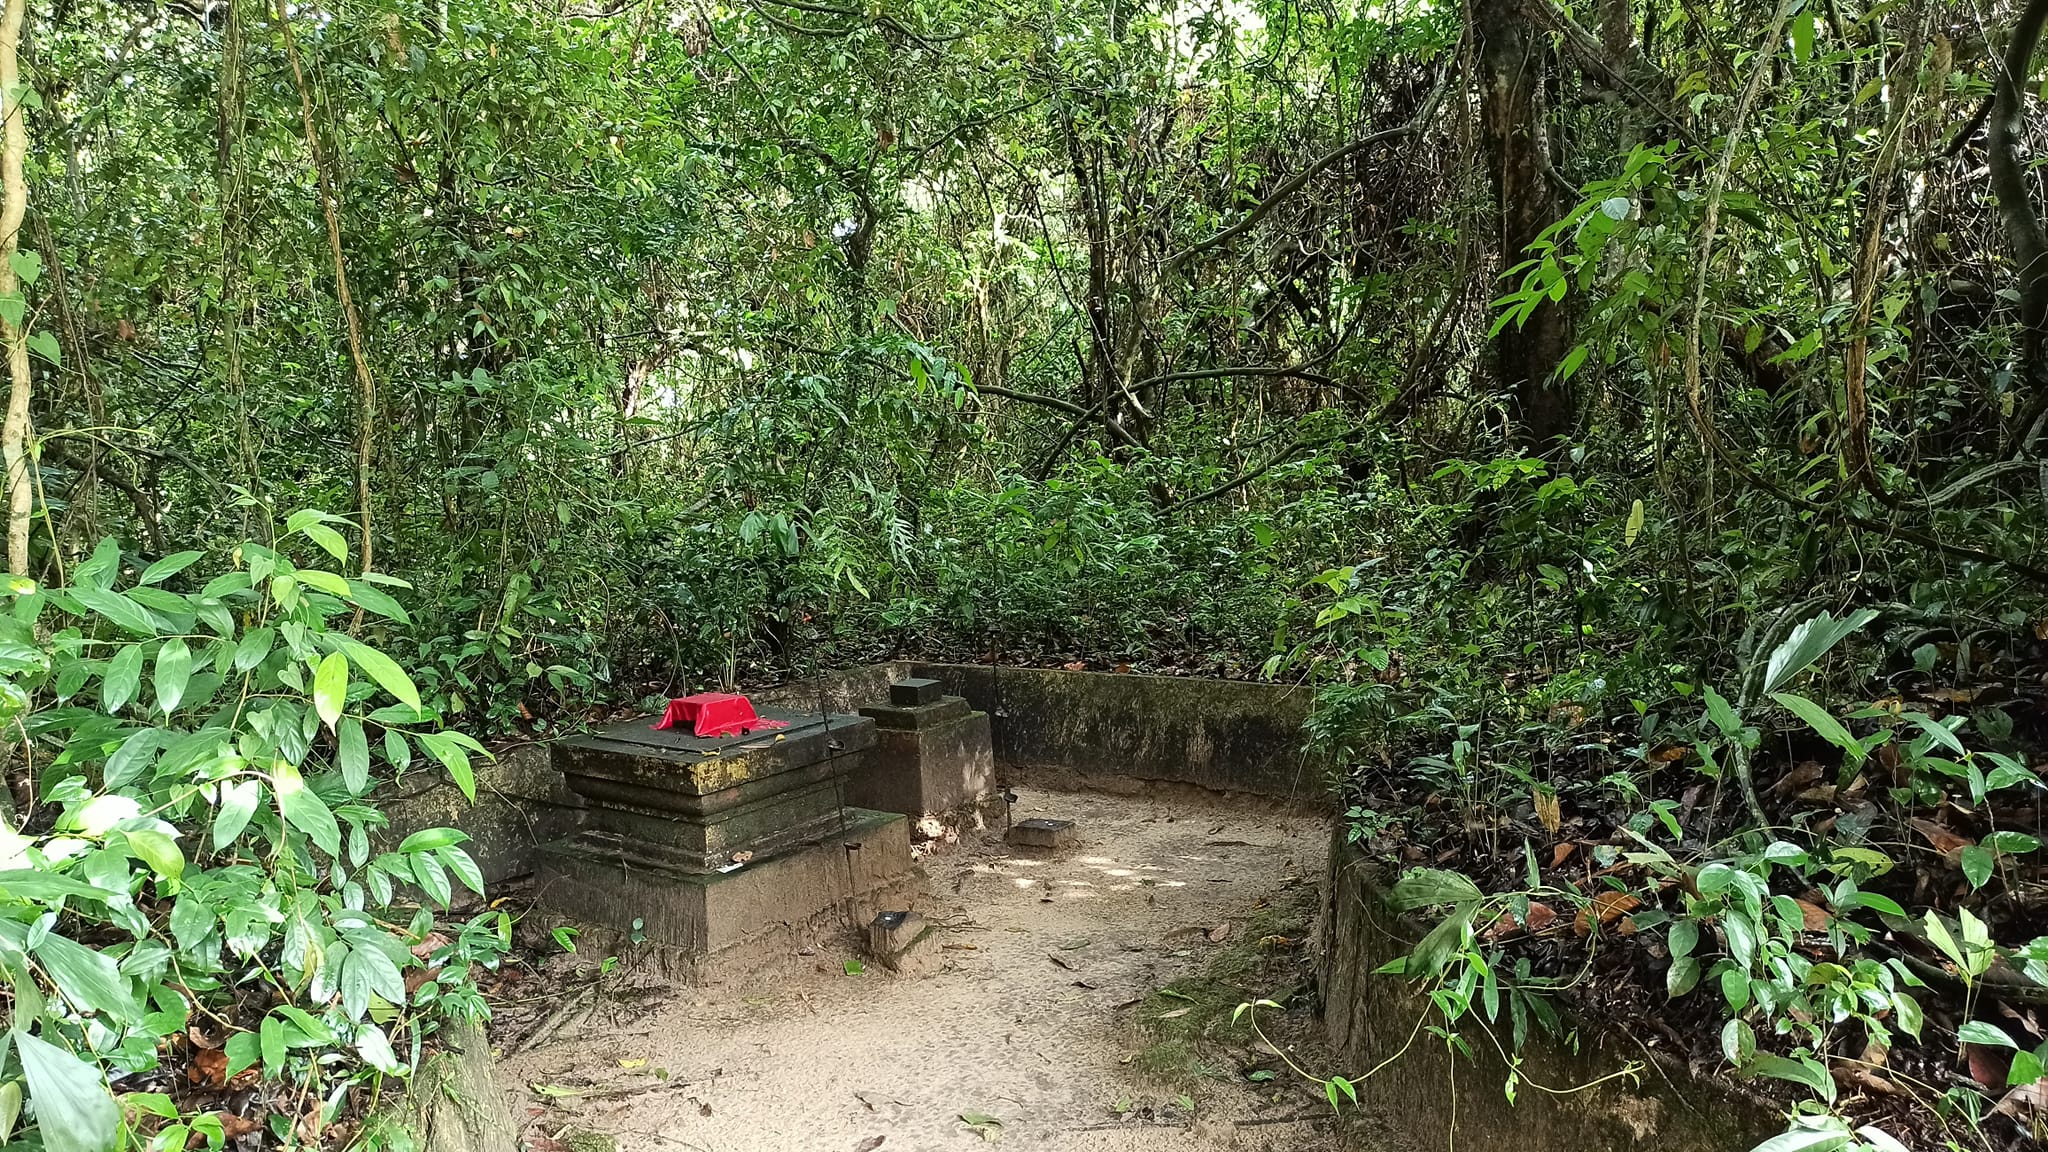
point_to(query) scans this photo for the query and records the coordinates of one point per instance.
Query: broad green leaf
(1978, 1032)
(375, 1049)
(271, 1035)
(384, 670)
(1823, 722)
(88, 978)
(1805, 1140)
(1721, 713)
(305, 811)
(1426, 887)
(429, 839)
(328, 539)
(1809, 642)
(330, 687)
(132, 758)
(238, 799)
(352, 751)
(173, 673)
(464, 867)
(74, 1111)
(243, 1052)
(1635, 523)
(254, 646)
(157, 850)
(1977, 864)
(432, 877)
(1682, 977)
(115, 607)
(397, 751)
(45, 344)
(373, 599)
(168, 567)
(124, 676)
(452, 757)
(326, 582)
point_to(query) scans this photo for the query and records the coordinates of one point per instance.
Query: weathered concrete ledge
(1371, 1017)
(1103, 729)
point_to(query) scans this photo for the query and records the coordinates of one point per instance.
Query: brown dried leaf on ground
(1944, 841)
(869, 1144)
(1814, 916)
(235, 1127)
(1219, 933)
(1608, 906)
(209, 1068)
(2024, 1102)
(1562, 853)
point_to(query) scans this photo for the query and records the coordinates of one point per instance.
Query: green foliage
(204, 826)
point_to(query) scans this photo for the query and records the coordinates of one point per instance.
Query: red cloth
(716, 714)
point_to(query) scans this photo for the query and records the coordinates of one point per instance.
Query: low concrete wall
(1371, 1017)
(521, 803)
(1100, 729)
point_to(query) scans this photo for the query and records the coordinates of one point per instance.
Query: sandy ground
(837, 1062)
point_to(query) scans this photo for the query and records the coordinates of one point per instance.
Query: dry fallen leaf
(1059, 960)
(1944, 841)
(1562, 853)
(1219, 933)
(1173, 1015)
(1988, 1065)
(209, 1068)
(1608, 906)
(869, 1144)
(1815, 917)
(2025, 1101)
(235, 1127)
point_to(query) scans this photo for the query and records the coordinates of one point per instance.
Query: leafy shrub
(195, 876)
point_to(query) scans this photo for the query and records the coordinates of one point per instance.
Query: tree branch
(1296, 182)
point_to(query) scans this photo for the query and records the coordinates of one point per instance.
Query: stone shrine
(710, 843)
(932, 754)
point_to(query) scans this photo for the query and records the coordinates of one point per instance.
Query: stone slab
(679, 771)
(915, 690)
(610, 881)
(1042, 833)
(944, 710)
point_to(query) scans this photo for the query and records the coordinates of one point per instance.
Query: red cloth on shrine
(716, 714)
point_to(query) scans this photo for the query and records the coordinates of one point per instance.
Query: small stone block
(892, 932)
(1042, 833)
(912, 692)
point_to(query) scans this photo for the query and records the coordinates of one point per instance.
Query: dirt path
(1047, 1047)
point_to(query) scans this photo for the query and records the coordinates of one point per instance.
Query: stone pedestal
(931, 756)
(714, 842)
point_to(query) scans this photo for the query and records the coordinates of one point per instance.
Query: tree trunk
(1511, 68)
(13, 211)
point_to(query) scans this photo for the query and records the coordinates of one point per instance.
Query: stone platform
(714, 842)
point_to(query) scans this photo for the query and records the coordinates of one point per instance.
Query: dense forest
(1630, 418)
